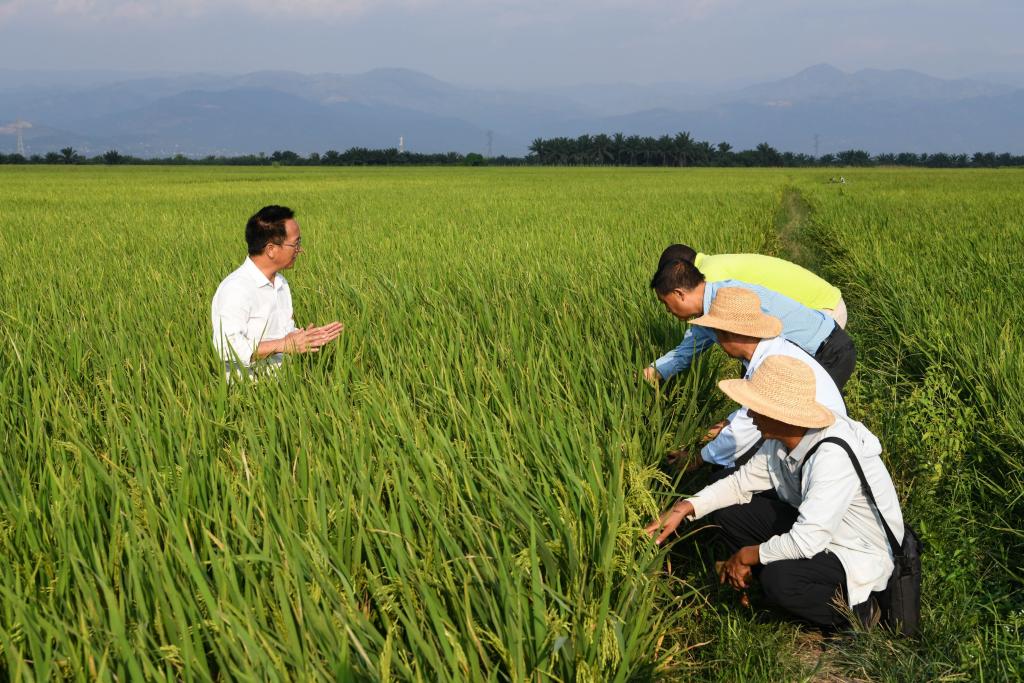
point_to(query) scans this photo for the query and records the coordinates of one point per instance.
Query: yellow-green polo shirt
(784, 277)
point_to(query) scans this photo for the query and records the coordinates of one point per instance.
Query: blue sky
(517, 43)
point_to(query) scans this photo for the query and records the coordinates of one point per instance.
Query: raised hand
(310, 339)
(328, 333)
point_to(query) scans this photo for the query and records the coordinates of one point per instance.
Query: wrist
(684, 507)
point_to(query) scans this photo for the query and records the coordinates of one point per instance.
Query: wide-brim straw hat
(738, 310)
(782, 388)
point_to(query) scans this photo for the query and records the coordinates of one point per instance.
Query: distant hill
(827, 83)
(200, 114)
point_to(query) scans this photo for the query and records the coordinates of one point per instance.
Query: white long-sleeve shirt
(740, 434)
(834, 514)
(247, 309)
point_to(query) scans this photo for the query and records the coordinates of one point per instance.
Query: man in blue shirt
(682, 289)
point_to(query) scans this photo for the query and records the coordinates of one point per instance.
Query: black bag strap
(896, 546)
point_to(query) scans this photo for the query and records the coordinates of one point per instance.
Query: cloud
(676, 10)
(9, 8)
(141, 9)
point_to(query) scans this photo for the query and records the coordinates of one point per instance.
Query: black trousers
(810, 588)
(838, 356)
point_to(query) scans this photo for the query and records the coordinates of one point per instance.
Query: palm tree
(634, 146)
(723, 152)
(665, 150)
(582, 149)
(768, 155)
(682, 145)
(703, 152)
(602, 148)
(618, 147)
(538, 148)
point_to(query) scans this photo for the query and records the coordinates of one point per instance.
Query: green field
(456, 489)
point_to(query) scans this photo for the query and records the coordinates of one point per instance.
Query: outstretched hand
(714, 430)
(311, 339)
(665, 526)
(652, 376)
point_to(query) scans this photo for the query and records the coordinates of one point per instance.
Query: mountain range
(820, 109)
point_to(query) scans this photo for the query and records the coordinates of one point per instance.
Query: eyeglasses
(296, 245)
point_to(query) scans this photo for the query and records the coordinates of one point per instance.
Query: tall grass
(454, 491)
(930, 263)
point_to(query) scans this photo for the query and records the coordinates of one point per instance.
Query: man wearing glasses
(253, 324)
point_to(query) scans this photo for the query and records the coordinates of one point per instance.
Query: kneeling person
(820, 542)
(748, 334)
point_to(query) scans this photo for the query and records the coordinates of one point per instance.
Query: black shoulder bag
(901, 599)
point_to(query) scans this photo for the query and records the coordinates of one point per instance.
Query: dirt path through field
(791, 229)
(790, 225)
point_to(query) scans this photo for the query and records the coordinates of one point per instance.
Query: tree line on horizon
(680, 150)
(683, 150)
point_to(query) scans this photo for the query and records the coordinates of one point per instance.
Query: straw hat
(738, 310)
(783, 388)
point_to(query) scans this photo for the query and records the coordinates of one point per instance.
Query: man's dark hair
(678, 274)
(266, 226)
(677, 252)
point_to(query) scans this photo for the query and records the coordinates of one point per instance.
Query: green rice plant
(456, 490)
(930, 264)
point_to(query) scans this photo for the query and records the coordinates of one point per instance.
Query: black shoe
(868, 613)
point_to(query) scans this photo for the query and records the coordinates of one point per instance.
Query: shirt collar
(257, 276)
(710, 289)
(763, 348)
(812, 437)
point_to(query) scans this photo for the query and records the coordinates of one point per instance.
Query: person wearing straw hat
(747, 333)
(685, 293)
(770, 272)
(817, 545)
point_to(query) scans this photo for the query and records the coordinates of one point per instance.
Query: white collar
(812, 437)
(257, 276)
(762, 349)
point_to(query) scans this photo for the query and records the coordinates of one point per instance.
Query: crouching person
(750, 335)
(819, 546)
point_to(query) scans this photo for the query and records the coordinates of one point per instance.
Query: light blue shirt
(803, 326)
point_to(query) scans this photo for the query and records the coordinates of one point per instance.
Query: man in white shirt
(252, 309)
(819, 541)
(747, 333)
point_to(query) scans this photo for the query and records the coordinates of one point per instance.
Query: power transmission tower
(401, 144)
(490, 143)
(17, 128)
(815, 145)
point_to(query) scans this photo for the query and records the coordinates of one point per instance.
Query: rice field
(455, 490)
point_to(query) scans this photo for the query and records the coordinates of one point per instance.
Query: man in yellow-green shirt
(769, 272)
